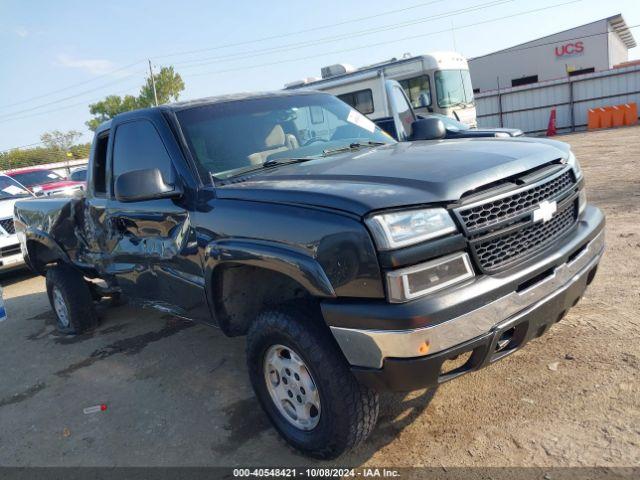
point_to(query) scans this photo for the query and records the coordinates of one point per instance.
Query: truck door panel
(151, 242)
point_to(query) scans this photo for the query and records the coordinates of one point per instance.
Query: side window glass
(100, 164)
(403, 109)
(138, 146)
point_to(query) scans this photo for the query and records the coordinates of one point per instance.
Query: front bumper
(532, 298)
(10, 253)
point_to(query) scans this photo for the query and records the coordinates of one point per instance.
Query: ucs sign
(569, 49)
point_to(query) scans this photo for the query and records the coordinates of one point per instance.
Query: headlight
(573, 162)
(502, 135)
(418, 280)
(399, 229)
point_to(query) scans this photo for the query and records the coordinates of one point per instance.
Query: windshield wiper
(352, 146)
(286, 161)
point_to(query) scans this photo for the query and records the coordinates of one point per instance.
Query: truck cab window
(138, 146)
(99, 164)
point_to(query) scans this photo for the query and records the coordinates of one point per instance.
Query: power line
(246, 42)
(412, 37)
(69, 87)
(66, 107)
(37, 107)
(284, 48)
(298, 32)
(337, 38)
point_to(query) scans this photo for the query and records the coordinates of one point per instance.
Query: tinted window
(100, 164)
(361, 100)
(138, 146)
(516, 82)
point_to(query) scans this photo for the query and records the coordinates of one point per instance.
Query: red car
(42, 181)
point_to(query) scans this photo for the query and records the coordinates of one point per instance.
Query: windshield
(453, 88)
(227, 138)
(9, 188)
(36, 177)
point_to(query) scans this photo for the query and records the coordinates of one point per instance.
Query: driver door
(153, 249)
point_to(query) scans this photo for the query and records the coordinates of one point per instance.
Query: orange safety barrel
(593, 119)
(631, 113)
(617, 116)
(606, 118)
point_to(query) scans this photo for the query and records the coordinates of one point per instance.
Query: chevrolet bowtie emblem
(545, 211)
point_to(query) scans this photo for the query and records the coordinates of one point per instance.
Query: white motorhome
(438, 82)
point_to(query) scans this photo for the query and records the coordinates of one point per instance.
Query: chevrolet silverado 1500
(353, 264)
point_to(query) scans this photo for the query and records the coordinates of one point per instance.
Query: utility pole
(153, 83)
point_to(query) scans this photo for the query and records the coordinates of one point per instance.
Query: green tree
(109, 108)
(57, 140)
(169, 84)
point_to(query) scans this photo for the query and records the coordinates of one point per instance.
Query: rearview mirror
(147, 184)
(429, 128)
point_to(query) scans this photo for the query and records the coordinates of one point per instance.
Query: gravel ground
(178, 393)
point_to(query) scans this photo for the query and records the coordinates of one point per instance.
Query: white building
(593, 47)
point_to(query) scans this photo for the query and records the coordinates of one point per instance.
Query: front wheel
(305, 386)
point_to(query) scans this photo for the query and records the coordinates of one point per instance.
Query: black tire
(349, 410)
(77, 299)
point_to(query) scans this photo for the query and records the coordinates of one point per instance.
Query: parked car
(42, 181)
(78, 174)
(353, 263)
(10, 253)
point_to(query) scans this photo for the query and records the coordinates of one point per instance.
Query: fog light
(418, 280)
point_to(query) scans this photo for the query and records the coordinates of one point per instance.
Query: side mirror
(147, 184)
(429, 128)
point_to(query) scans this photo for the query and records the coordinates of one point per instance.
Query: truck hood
(402, 174)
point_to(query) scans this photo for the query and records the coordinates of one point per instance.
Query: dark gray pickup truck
(353, 263)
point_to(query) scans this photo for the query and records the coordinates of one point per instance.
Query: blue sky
(65, 52)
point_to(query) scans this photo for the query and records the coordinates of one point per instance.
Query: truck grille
(491, 213)
(506, 249)
(8, 226)
(10, 250)
(501, 230)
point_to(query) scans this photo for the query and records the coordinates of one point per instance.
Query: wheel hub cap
(292, 387)
(60, 307)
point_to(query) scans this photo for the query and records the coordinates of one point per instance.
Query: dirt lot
(178, 393)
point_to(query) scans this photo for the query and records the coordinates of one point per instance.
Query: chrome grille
(8, 226)
(493, 212)
(497, 253)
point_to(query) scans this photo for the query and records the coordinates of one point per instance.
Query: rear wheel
(71, 300)
(304, 383)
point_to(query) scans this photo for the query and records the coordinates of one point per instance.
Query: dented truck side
(353, 263)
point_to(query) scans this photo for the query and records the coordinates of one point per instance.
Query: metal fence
(528, 107)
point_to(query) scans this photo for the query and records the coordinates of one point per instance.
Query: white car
(10, 253)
